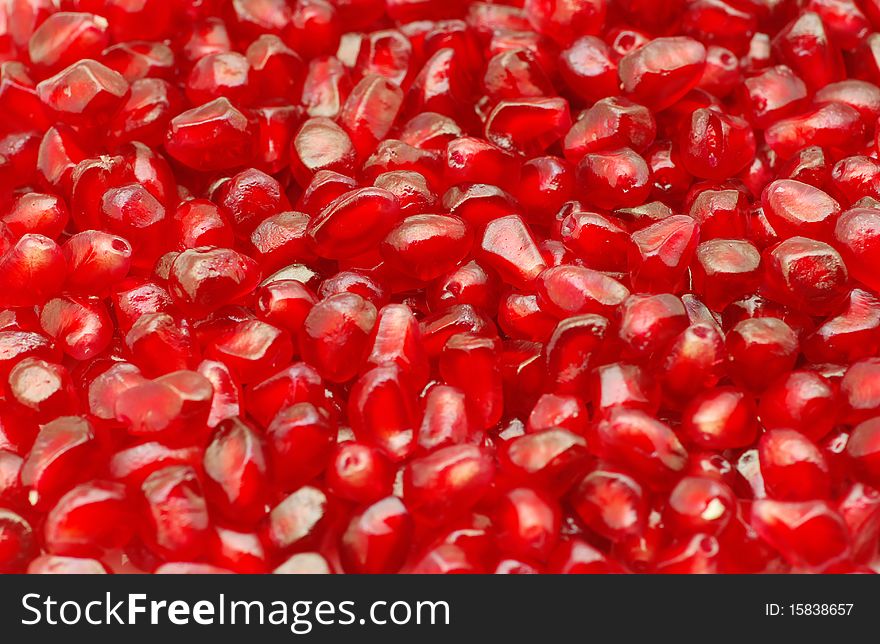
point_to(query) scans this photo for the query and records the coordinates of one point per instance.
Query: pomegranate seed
(299, 444)
(792, 467)
(448, 481)
(66, 37)
(772, 94)
(722, 418)
(834, 125)
(699, 505)
(376, 539)
(18, 543)
(63, 454)
(859, 389)
(382, 410)
(715, 145)
(298, 520)
(761, 349)
(213, 136)
(659, 253)
(804, 401)
(809, 534)
(857, 234)
(69, 528)
(662, 71)
(177, 515)
(806, 47)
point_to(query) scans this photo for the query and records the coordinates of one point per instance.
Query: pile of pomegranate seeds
(431, 286)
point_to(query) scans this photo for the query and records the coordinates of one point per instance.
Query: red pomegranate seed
(719, 419)
(64, 453)
(804, 401)
(662, 71)
(611, 504)
(213, 136)
(18, 544)
(808, 534)
(792, 467)
(447, 481)
(177, 514)
(298, 520)
(299, 443)
(376, 539)
(69, 525)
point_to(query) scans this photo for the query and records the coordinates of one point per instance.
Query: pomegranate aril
(851, 334)
(719, 419)
(792, 467)
(173, 407)
(809, 534)
(249, 197)
(805, 45)
(761, 349)
(298, 520)
(662, 71)
(18, 543)
(588, 69)
(617, 178)
(64, 453)
(472, 160)
(660, 253)
(31, 270)
(725, 270)
(144, 117)
(635, 440)
(834, 125)
(804, 401)
(177, 521)
(236, 473)
(382, 410)
(134, 464)
(157, 344)
(213, 136)
(447, 481)
(528, 125)
(43, 389)
(334, 335)
(611, 504)
(552, 459)
(701, 505)
(426, 246)
(772, 94)
(88, 519)
(377, 538)
(715, 145)
(649, 323)
(299, 443)
(354, 222)
(84, 95)
(66, 37)
(805, 274)
(239, 552)
(857, 235)
(508, 246)
(140, 59)
(37, 213)
(860, 390)
(205, 279)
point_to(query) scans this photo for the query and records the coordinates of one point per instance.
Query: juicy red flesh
(360, 287)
